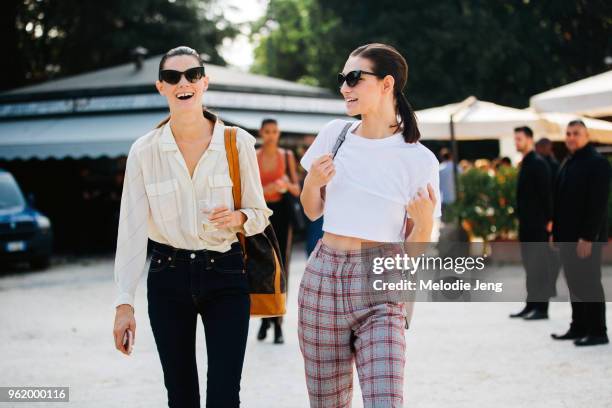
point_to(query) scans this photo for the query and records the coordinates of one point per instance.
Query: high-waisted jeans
(182, 284)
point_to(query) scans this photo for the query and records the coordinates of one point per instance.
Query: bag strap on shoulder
(231, 151)
(341, 138)
(233, 162)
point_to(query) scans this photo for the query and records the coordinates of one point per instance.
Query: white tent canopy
(590, 96)
(474, 120)
(479, 120)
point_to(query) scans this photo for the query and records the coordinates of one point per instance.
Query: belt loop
(206, 253)
(174, 251)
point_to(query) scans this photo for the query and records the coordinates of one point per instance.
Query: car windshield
(10, 194)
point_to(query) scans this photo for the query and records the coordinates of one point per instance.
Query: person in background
(314, 229)
(543, 147)
(501, 162)
(278, 171)
(484, 164)
(447, 181)
(534, 209)
(580, 226)
(465, 165)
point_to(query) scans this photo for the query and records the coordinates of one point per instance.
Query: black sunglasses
(173, 77)
(353, 77)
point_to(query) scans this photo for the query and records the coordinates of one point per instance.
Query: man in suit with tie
(534, 208)
(579, 230)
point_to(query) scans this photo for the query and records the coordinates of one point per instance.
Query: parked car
(25, 233)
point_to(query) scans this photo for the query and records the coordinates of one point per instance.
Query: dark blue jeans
(182, 284)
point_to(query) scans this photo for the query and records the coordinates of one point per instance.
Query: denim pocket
(159, 262)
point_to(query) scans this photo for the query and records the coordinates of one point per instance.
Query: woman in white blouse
(380, 177)
(178, 194)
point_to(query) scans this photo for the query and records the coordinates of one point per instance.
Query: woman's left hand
(421, 208)
(223, 217)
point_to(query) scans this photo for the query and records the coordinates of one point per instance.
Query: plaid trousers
(338, 325)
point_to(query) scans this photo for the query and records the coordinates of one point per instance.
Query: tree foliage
(503, 51)
(50, 38)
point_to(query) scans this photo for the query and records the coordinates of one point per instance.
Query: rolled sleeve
(132, 236)
(253, 202)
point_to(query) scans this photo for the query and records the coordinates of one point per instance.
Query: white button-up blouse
(160, 201)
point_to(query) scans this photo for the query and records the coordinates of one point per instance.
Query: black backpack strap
(339, 142)
(341, 138)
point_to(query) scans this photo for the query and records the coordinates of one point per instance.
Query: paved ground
(56, 330)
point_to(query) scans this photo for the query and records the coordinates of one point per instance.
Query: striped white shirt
(160, 201)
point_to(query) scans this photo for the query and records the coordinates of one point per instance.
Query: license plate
(15, 246)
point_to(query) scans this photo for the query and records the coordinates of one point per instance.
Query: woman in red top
(277, 169)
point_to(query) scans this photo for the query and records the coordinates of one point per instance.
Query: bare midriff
(345, 243)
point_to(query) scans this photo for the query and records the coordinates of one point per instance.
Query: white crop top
(374, 180)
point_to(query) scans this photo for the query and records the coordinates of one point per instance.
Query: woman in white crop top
(380, 187)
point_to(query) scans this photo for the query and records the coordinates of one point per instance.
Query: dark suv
(25, 234)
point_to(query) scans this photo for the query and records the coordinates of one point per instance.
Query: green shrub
(487, 201)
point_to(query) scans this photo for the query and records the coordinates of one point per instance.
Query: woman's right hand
(124, 319)
(321, 171)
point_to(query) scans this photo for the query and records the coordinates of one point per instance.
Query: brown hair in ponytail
(386, 60)
(183, 50)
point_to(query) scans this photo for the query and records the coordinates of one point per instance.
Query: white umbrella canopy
(474, 120)
(591, 96)
(477, 120)
(555, 123)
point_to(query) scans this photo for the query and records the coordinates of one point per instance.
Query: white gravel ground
(57, 331)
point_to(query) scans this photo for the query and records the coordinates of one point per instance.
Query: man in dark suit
(534, 208)
(579, 230)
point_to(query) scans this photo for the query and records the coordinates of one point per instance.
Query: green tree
(504, 51)
(50, 38)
